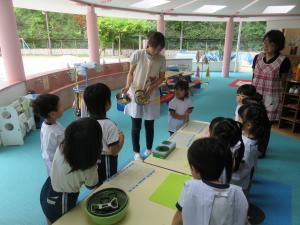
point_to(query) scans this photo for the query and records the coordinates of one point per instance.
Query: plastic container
(107, 206)
(164, 149)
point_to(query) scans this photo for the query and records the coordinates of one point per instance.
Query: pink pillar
(227, 47)
(145, 43)
(160, 26)
(92, 34)
(9, 43)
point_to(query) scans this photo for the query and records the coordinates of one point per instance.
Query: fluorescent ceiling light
(185, 4)
(147, 4)
(278, 9)
(247, 6)
(210, 8)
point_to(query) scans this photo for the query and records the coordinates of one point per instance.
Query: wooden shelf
(294, 81)
(290, 112)
(291, 94)
(288, 118)
(291, 107)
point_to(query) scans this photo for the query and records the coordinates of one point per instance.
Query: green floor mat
(168, 192)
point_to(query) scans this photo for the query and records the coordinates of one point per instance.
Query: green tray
(168, 192)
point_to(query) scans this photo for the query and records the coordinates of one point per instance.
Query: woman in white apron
(146, 73)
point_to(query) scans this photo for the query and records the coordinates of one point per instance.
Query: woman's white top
(205, 203)
(146, 71)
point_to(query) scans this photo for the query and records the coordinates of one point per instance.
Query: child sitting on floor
(97, 100)
(204, 200)
(52, 132)
(74, 164)
(180, 107)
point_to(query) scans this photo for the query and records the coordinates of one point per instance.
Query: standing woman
(146, 72)
(270, 69)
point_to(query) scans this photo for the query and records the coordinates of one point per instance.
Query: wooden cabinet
(290, 113)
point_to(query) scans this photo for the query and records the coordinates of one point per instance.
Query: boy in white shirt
(205, 200)
(180, 107)
(52, 132)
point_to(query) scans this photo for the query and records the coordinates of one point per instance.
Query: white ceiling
(172, 11)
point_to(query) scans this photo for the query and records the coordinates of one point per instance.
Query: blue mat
(277, 179)
(274, 199)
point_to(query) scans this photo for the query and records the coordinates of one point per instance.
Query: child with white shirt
(52, 132)
(180, 107)
(97, 98)
(204, 200)
(244, 91)
(254, 118)
(263, 141)
(74, 164)
(229, 132)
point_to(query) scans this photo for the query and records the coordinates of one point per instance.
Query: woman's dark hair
(96, 97)
(246, 89)
(276, 37)
(209, 157)
(45, 104)
(182, 85)
(156, 39)
(229, 132)
(82, 145)
(256, 115)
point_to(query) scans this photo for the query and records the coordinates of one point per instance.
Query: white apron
(146, 72)
(204, 205)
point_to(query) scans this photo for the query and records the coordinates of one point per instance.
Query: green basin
(162, 148)
(108, 215)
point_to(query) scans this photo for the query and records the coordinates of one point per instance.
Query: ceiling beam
(106, 7)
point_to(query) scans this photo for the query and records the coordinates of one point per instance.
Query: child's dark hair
(256, 115)
(246, 89)
(229, 132)
(276, 37)
(82, 145)
(254, 99)
(209, 157)
(156, 39)
(96, 97)
(182, 85)
(44, 104)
